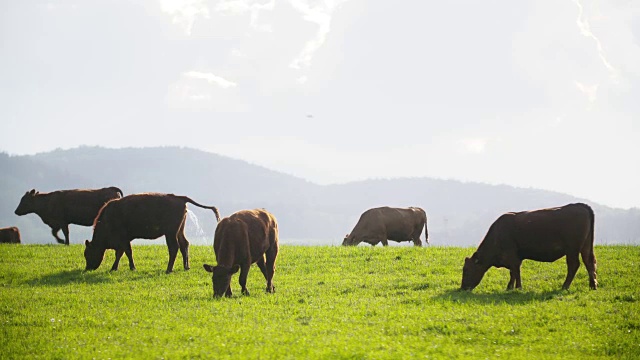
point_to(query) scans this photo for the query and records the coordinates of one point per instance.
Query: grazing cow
(10, 235)
(58, 209)
(387, 223)
(540, 235)
(242, 239)
(140, 216)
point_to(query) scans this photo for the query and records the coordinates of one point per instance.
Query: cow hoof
(114, 269)
(245, 292)
(168, 271)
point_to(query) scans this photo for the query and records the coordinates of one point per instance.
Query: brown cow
(242, 239)
(10, 235)
(387, 223)
(540, 235)
(140, 216)
(58, 209)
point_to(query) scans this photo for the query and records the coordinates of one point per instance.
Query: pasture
(330, 302)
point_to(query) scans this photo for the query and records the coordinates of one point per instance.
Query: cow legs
(119, 253)
(172, 244)
(129, 253)
(415, 237)
(573, 263)
(228, 293)
(272, 253)
(385, 242)
(244, 271)
(65, 232)
(514, 276)
(589, 260)
(54, 232)
(262, 266)
(184, 246)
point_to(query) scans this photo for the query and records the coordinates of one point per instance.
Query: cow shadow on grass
(79, 276)
(517, 297)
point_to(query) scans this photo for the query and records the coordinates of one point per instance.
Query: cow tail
(426, 233)
(215, 210)
(591, 239)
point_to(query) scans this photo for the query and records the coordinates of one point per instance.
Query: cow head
(472, 272)
(349, 240)
(221, 278)
(93, 254)
(27, 203)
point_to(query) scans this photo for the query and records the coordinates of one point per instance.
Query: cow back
(244, 237)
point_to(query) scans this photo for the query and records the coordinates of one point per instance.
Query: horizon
(535, 94)
(320, 183)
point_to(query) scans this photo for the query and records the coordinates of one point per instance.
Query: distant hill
(458, 213)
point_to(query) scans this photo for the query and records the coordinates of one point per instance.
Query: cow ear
(208, 267)
(32, 192)
(86, 243)
(234, 269)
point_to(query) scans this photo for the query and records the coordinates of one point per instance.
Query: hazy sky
(531, 93)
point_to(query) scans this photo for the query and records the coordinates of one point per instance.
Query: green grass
(330, 302)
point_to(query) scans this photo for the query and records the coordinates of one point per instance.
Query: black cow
(388, 223)
(540, 235)
(140, 216)
(60, 208)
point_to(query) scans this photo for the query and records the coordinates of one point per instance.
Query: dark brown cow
(540, 235)
(242, 239)
(387, 223)
(58, 209)
(10, 235)
(140, 216)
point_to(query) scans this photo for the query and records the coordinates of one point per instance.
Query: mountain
(458, 213)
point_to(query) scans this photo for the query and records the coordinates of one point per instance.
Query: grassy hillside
(330, 302)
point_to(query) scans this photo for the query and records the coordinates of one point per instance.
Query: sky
(534, 93)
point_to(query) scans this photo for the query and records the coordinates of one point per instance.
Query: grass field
(330, 302)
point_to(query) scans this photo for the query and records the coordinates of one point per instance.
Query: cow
(541, 235)
(140, 216)
(244, 238)
(10, 235)
(386, 223)
(60, 208)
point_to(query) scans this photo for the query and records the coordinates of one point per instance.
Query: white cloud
(211, 78)
(474, 145)
(237, 53)
(203, 91)
(589, 90)
(239, 7)
(321, 15)
(585, 30)
(184, 12)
